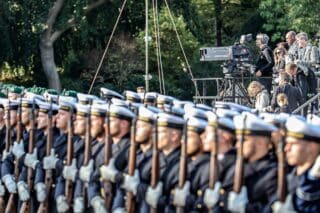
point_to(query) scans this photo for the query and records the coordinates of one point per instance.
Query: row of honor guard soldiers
(153, 153)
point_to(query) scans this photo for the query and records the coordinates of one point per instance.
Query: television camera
(237, 58)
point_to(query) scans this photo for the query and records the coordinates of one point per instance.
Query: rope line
(182, 49)
(107, 47)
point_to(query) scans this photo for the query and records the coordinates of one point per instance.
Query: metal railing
(307, 105)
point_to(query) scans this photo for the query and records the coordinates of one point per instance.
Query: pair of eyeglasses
(278, 52)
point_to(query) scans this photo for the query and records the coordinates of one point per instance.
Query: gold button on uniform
(221, 204)
(199, 193)
(221, 191)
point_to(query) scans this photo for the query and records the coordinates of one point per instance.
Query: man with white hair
(265, 61)
(308, 55)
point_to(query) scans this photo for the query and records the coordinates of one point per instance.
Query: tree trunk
(48, 64)
(218, 30)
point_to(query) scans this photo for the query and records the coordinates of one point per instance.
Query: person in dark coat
(265, 63)
(293, 93)
(260, 169)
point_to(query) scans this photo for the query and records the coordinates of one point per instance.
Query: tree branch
(93, 6)
(58, 33)
(53, 14)
(72, 22)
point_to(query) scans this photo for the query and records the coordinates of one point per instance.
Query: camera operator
(265, 62)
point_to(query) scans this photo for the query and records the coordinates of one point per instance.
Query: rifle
(87, 154)
(12, 202)
(25, 207)
(107, 185)
(44, 206)
(282, 167)
(132, 165)
(214, 166)
(155, 162)
(183, 167)
(238, 173)
(69, 184)
(7, 148)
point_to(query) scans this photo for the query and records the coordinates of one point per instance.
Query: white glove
(31, 160)
(2, 189)
(180, 195)
(23, 191)
(86, 171)
(98, 205)
(41, 190)
(211, 196)
(315, 170)
(119, 210)
(70, 172)
(62, 204)
(18, 149)
(78, 205)
(130, 183)
(286, 207)
(10, 183)
(109, 172)
(50, 162)
(5, 154)
(153, 195)
(237, 202)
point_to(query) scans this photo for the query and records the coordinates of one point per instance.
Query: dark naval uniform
(260, 178)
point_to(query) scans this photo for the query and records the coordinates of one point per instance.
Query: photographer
(265, 62)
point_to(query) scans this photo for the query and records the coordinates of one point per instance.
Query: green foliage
(284, 15)
(174, 66)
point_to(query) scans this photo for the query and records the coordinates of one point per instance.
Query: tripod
(232, 89)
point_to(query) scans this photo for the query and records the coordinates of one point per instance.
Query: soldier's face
(209, 136)
(96, 126)
(143, 131)
(25, 115)
(248, 145)
(13, 118)
(42, 120)
(114, 126)
(80, 125)
(296, 151)
(62, 120)
(193, 143)
(164, 140)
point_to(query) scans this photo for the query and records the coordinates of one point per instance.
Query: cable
(107, 47)
(182, 49)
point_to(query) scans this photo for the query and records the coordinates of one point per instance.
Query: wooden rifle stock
(25, 207)
(44, 206)
(238, 173)
(155, 162)
(132, 165)
(107, 156)
(183, 167)
(69, 184)
(282, 167)
(13, 201)
(87, 155)
(214, 164)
